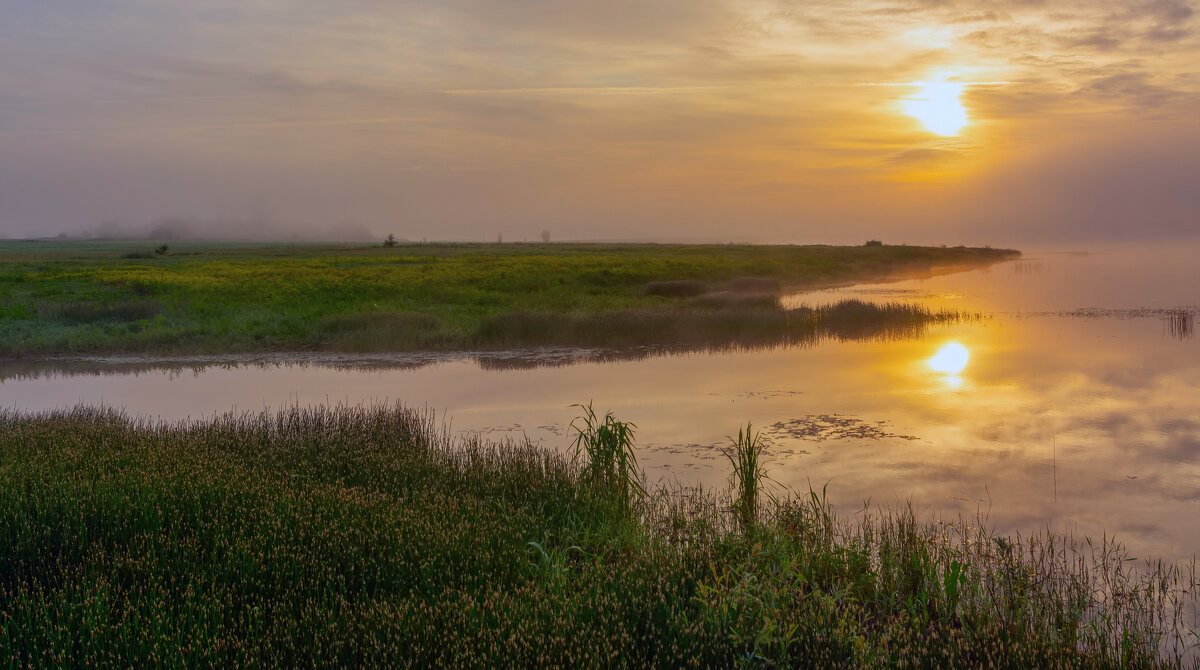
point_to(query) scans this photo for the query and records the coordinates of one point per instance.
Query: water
(1078, 410)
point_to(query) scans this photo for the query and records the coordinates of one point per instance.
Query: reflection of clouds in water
(1114, 451)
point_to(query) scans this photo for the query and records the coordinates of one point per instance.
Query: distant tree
(873, 243)
(389, 241)
(161, 251)
(545, 236)
(499, 238)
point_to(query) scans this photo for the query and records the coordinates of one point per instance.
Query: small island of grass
(64, 298)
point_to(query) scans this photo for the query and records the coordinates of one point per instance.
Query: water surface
(1078, 410)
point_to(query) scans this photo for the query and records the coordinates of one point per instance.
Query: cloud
(1131, 88)
(616, 118)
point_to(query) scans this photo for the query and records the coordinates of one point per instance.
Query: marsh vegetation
(79, 298)
(366, 535)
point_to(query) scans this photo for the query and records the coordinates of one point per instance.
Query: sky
(1001, 122)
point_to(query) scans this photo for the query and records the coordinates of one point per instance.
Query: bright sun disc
(937, 106)
(950, 359)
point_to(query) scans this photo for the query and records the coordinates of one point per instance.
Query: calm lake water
(1078, 408)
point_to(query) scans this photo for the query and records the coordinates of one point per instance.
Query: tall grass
(605, 447)
(367, 536)
(748, 473)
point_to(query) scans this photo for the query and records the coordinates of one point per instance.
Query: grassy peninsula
(367, 537)
(62, 298)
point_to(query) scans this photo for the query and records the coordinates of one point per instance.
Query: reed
(748, 474)
(369, 536)
(605, 447)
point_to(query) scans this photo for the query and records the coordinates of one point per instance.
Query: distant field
(105, 297)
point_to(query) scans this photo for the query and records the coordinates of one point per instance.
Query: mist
(714, 121)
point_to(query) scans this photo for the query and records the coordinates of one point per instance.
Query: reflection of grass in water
(535, 340)
(365, 536)
(740, 325)
(1028, 266)
(1180, 323)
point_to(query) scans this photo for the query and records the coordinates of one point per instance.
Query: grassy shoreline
(366, 536)
(96, 298)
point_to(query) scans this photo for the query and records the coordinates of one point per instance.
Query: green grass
(605, 448)
(62, 298)
(748, 475)
(365, 536)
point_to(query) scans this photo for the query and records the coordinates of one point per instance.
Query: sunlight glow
(950, 359)
(937, 106)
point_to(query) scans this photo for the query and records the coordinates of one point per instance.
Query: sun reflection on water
(950, 359)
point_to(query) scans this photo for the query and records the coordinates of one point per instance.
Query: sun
(938, 107)
(950, 359)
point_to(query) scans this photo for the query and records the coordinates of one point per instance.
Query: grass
(605, 448)
(366, 536)
(64, 298)
(748, 473)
